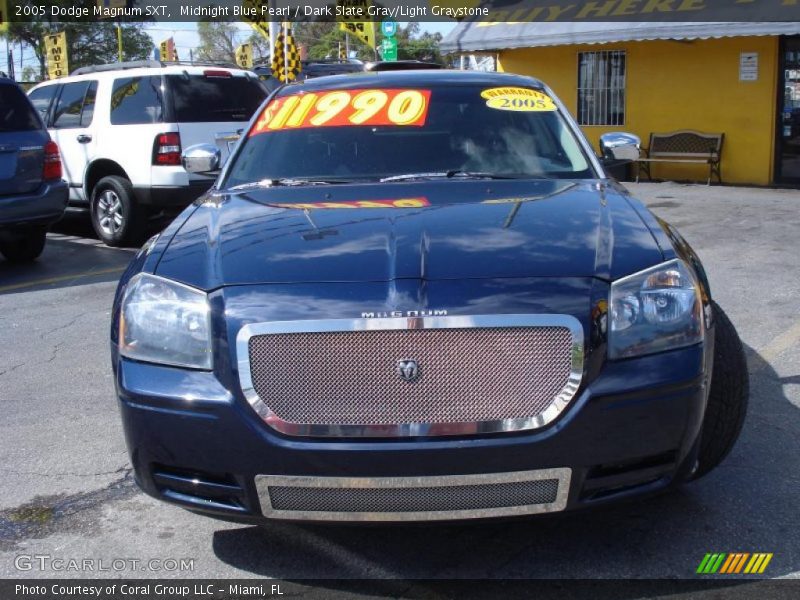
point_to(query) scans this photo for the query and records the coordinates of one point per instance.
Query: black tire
(23, 245)
(728, 396)
(117, 218)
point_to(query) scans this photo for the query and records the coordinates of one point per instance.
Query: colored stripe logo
(733, 563)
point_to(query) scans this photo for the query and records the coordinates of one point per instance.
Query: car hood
(428, 230)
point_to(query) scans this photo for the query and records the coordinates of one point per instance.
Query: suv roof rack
(151, 64)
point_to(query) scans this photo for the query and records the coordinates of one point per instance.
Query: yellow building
(740, 79)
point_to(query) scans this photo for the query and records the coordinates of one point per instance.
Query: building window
(601, 88)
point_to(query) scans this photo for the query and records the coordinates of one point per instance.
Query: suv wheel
(727, 398)
(116, 217)
(23, 245)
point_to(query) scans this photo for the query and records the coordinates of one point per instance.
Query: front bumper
(631, 430)
(43, 207)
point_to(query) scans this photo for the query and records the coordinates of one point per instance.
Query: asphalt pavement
(68, 493)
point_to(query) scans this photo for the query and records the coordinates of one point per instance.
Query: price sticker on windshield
(345, 108)
(518, 99)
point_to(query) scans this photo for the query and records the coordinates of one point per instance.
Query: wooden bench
(684, 146)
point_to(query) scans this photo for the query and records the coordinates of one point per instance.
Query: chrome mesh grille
(413, 499)
(465, 374)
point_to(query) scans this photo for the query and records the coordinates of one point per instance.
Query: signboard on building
(748, 66)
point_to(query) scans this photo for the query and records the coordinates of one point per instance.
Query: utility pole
(285, 53)
(10, 59)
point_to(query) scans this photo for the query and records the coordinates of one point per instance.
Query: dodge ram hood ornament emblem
(408, 370)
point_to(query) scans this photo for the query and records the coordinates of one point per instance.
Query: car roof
(145, 71)
(416, 78)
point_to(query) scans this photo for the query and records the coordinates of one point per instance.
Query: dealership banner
(55, 49)
(244, 56)
(411, 10)
(3, 16)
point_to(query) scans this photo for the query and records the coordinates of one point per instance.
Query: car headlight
(162, 321)
(654, 310)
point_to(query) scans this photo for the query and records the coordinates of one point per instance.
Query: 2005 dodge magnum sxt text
(414, 296)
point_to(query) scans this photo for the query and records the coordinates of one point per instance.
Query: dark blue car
(32, 194)
(417, 296)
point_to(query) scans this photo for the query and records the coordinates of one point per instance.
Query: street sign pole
(389, 28)
(389, 49)
(389, 43)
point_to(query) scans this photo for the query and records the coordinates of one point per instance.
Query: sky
(185, 36)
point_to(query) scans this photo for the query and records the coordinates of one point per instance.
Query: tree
(260, 48)
(323, 39)
(217, 41)
(411, 45)
(88, 42)
(29, 74)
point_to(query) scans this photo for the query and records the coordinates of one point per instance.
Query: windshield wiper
(477, 175)
(285, 181)
(446, 175)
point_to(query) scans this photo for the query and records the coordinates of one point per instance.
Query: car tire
(117, 218)
(23, 245)
(727, 398)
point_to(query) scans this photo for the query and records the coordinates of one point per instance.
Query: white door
(71, 130)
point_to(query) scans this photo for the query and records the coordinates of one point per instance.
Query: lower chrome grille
(413, 498)
(474, 374)
(463, 497)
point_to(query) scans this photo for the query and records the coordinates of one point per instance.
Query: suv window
(16, 113)
(137, 100)
(201, 99)
(42, 98)
(69, 105)
(88, 105)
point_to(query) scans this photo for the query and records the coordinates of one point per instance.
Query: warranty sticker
(518, 99)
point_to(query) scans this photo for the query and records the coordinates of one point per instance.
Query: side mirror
(618, 146)
(202, 159)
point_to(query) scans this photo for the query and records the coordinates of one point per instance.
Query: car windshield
(16, 112)
(442, 131)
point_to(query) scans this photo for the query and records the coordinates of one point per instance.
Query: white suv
(121, 128)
